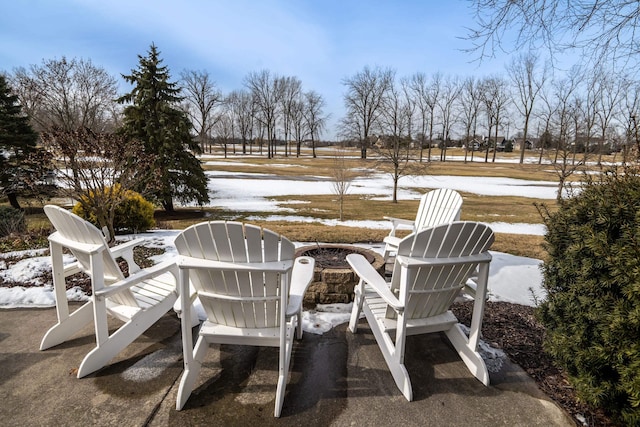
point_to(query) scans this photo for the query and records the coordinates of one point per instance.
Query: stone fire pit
(334, 280)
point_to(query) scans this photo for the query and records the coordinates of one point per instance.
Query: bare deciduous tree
(563, 92)
(291, 93)
(365, 95)
(528, 83)
(564, 166)
(298, 124)
(631, 110)
(576, 114)
(266, 89)
(109, 165)
(562, 162)
(342, 178)
(67, 94)
(419, 86)
(587, 101)
(393, 150)
(202, 97)
(223, 130)
(433, 93)
(605, 30)
(446, 103)
(494, 98)
(470, 104)
(240, 103)
(411, 106)
(545, 115)
(314, 116)
(611, 88)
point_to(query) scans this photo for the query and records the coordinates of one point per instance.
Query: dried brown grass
(509, 209)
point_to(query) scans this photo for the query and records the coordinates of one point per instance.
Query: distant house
(504, 144)
(474, 145)
(529, 143)
(581, 142)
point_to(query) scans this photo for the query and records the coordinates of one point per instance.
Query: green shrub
(133, 213)
(508, 147)
(11, 221)
(592, 279)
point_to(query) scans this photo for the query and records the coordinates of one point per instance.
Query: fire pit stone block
(334, 282)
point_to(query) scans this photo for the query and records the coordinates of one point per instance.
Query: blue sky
(319, 41)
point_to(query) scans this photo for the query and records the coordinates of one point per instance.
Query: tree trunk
(524, 139)
(167, 204)
(495, 143)
(560, 188)
(395, 190)
(13, 200)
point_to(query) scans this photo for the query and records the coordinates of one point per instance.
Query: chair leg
(68, 327)
(393, 355)
(358, 299)
(283, 373)
(471, 358)
(298, 324)
(387, 252)
(125, 335)
(401, 378)
(191, 372)
(280, 390)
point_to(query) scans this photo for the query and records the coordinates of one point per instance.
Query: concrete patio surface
(337, 379)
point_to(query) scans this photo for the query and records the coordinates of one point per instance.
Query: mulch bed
(515, 329)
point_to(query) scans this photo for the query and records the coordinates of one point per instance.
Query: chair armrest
(470, 287)
(125, 251)
(397, 222)
(371, 277)
(72, 268)
(400, 221)
(409, 262)
(147, 273)
(392, 241)
(301, 278)
(118, 250)
(272, 266)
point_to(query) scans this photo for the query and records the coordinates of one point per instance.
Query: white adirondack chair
(440, 206)
(251, 289)
(431, 268)
(138, 300)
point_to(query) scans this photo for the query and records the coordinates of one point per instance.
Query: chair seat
(148, 293)
(379, 308)
(153, 291)
(267, 337)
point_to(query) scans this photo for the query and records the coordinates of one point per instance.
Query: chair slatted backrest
(75, 229)
(238, 298)
(430, 290)
(440, 206)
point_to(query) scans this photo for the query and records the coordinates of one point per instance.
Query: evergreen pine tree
(19, 167)
(153, 117)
